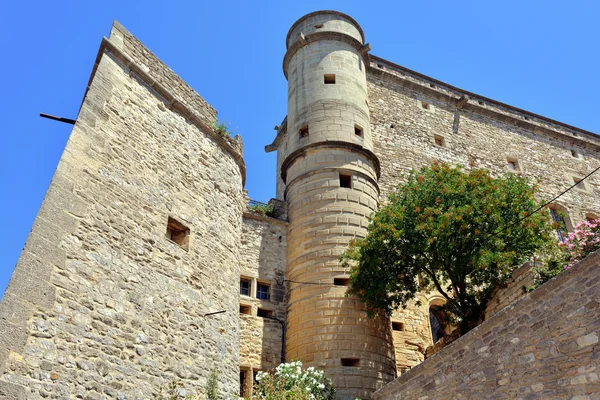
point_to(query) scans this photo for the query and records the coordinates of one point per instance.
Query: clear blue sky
(542, 56)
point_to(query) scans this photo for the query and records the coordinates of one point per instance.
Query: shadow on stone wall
(545, 345)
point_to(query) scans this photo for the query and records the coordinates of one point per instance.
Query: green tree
(461, 233)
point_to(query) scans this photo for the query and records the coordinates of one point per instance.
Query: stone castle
(145, 263)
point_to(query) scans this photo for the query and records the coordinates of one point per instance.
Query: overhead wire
(493, 233)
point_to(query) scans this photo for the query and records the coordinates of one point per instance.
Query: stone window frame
(263, 284)
(566, 219)
(398, 324)
(518, 164)
(444, 144)
(576, 154)
(580, 184)
(250, 373)
(425, 105)
(249, 280)
(183, 232)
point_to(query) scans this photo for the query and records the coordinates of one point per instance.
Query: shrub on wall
(585, 239)
(460, 233)
(290, 382)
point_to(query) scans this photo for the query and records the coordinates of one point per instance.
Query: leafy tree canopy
(461, 233)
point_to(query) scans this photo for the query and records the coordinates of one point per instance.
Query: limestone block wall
(416, 120)
(102, 304)
(263, 260)
(544, 346)
(513, 291)
(481, 134)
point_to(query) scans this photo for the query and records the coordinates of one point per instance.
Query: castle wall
(521, 278)
(478, 134)
(101, 302)
(263, 254)
(543, 346)
(403, 137)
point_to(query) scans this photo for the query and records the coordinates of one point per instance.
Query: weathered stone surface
(102, 302)
(523, 361)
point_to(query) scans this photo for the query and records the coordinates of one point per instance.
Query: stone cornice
(264, 218)
(171, 101)
(363, 50)
(468, 101)
(335, 144)
(324, 12)
(281, 131)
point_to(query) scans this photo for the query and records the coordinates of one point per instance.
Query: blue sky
(542, 56)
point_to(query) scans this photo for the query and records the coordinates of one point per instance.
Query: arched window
(561, 220)
(435, 321)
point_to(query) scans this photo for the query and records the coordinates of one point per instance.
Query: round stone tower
(330, 175)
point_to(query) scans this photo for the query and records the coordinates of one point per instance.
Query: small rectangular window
(262, 312)
(329, 79)
(425, 105)
(341, 281)
(358, 131)
(350, 362)
(245, 309)
(303, 132)
(512, 165)
(245, 286)
(263, 291)
(439, 141)
(397, 326)
(178, 233)
(243, 383)
(575, 154)
(345, 180)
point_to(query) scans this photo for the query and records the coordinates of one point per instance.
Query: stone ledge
(477, 335)
(512, 115)
(232, 146)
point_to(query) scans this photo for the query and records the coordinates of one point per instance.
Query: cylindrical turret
(330, 175)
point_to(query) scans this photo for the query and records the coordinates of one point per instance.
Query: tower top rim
(324, 12)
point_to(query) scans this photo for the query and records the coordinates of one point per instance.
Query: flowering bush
(290, 382)
(557, 257)
(583, 241)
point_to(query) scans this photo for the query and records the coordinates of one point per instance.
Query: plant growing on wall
(222, 129)
(265, 209)
(461, 233)
(290, 382)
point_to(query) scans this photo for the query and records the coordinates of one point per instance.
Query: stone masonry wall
(544, 346)
(407, 112)
(403, 136)
(263, 254)
(513, 291)
(102, 304)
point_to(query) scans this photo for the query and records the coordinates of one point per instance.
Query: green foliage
(265, 209)
(222, 129)
(291, 382)
(560, 256)
(548, 263)
(462, 233)
(212, 387)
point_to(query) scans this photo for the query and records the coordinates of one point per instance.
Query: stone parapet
(545, 345)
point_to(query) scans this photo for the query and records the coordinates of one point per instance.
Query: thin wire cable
(540, 207)
(492, 234)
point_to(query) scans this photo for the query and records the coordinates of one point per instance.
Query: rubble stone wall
(102, 304)
(544, 346)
